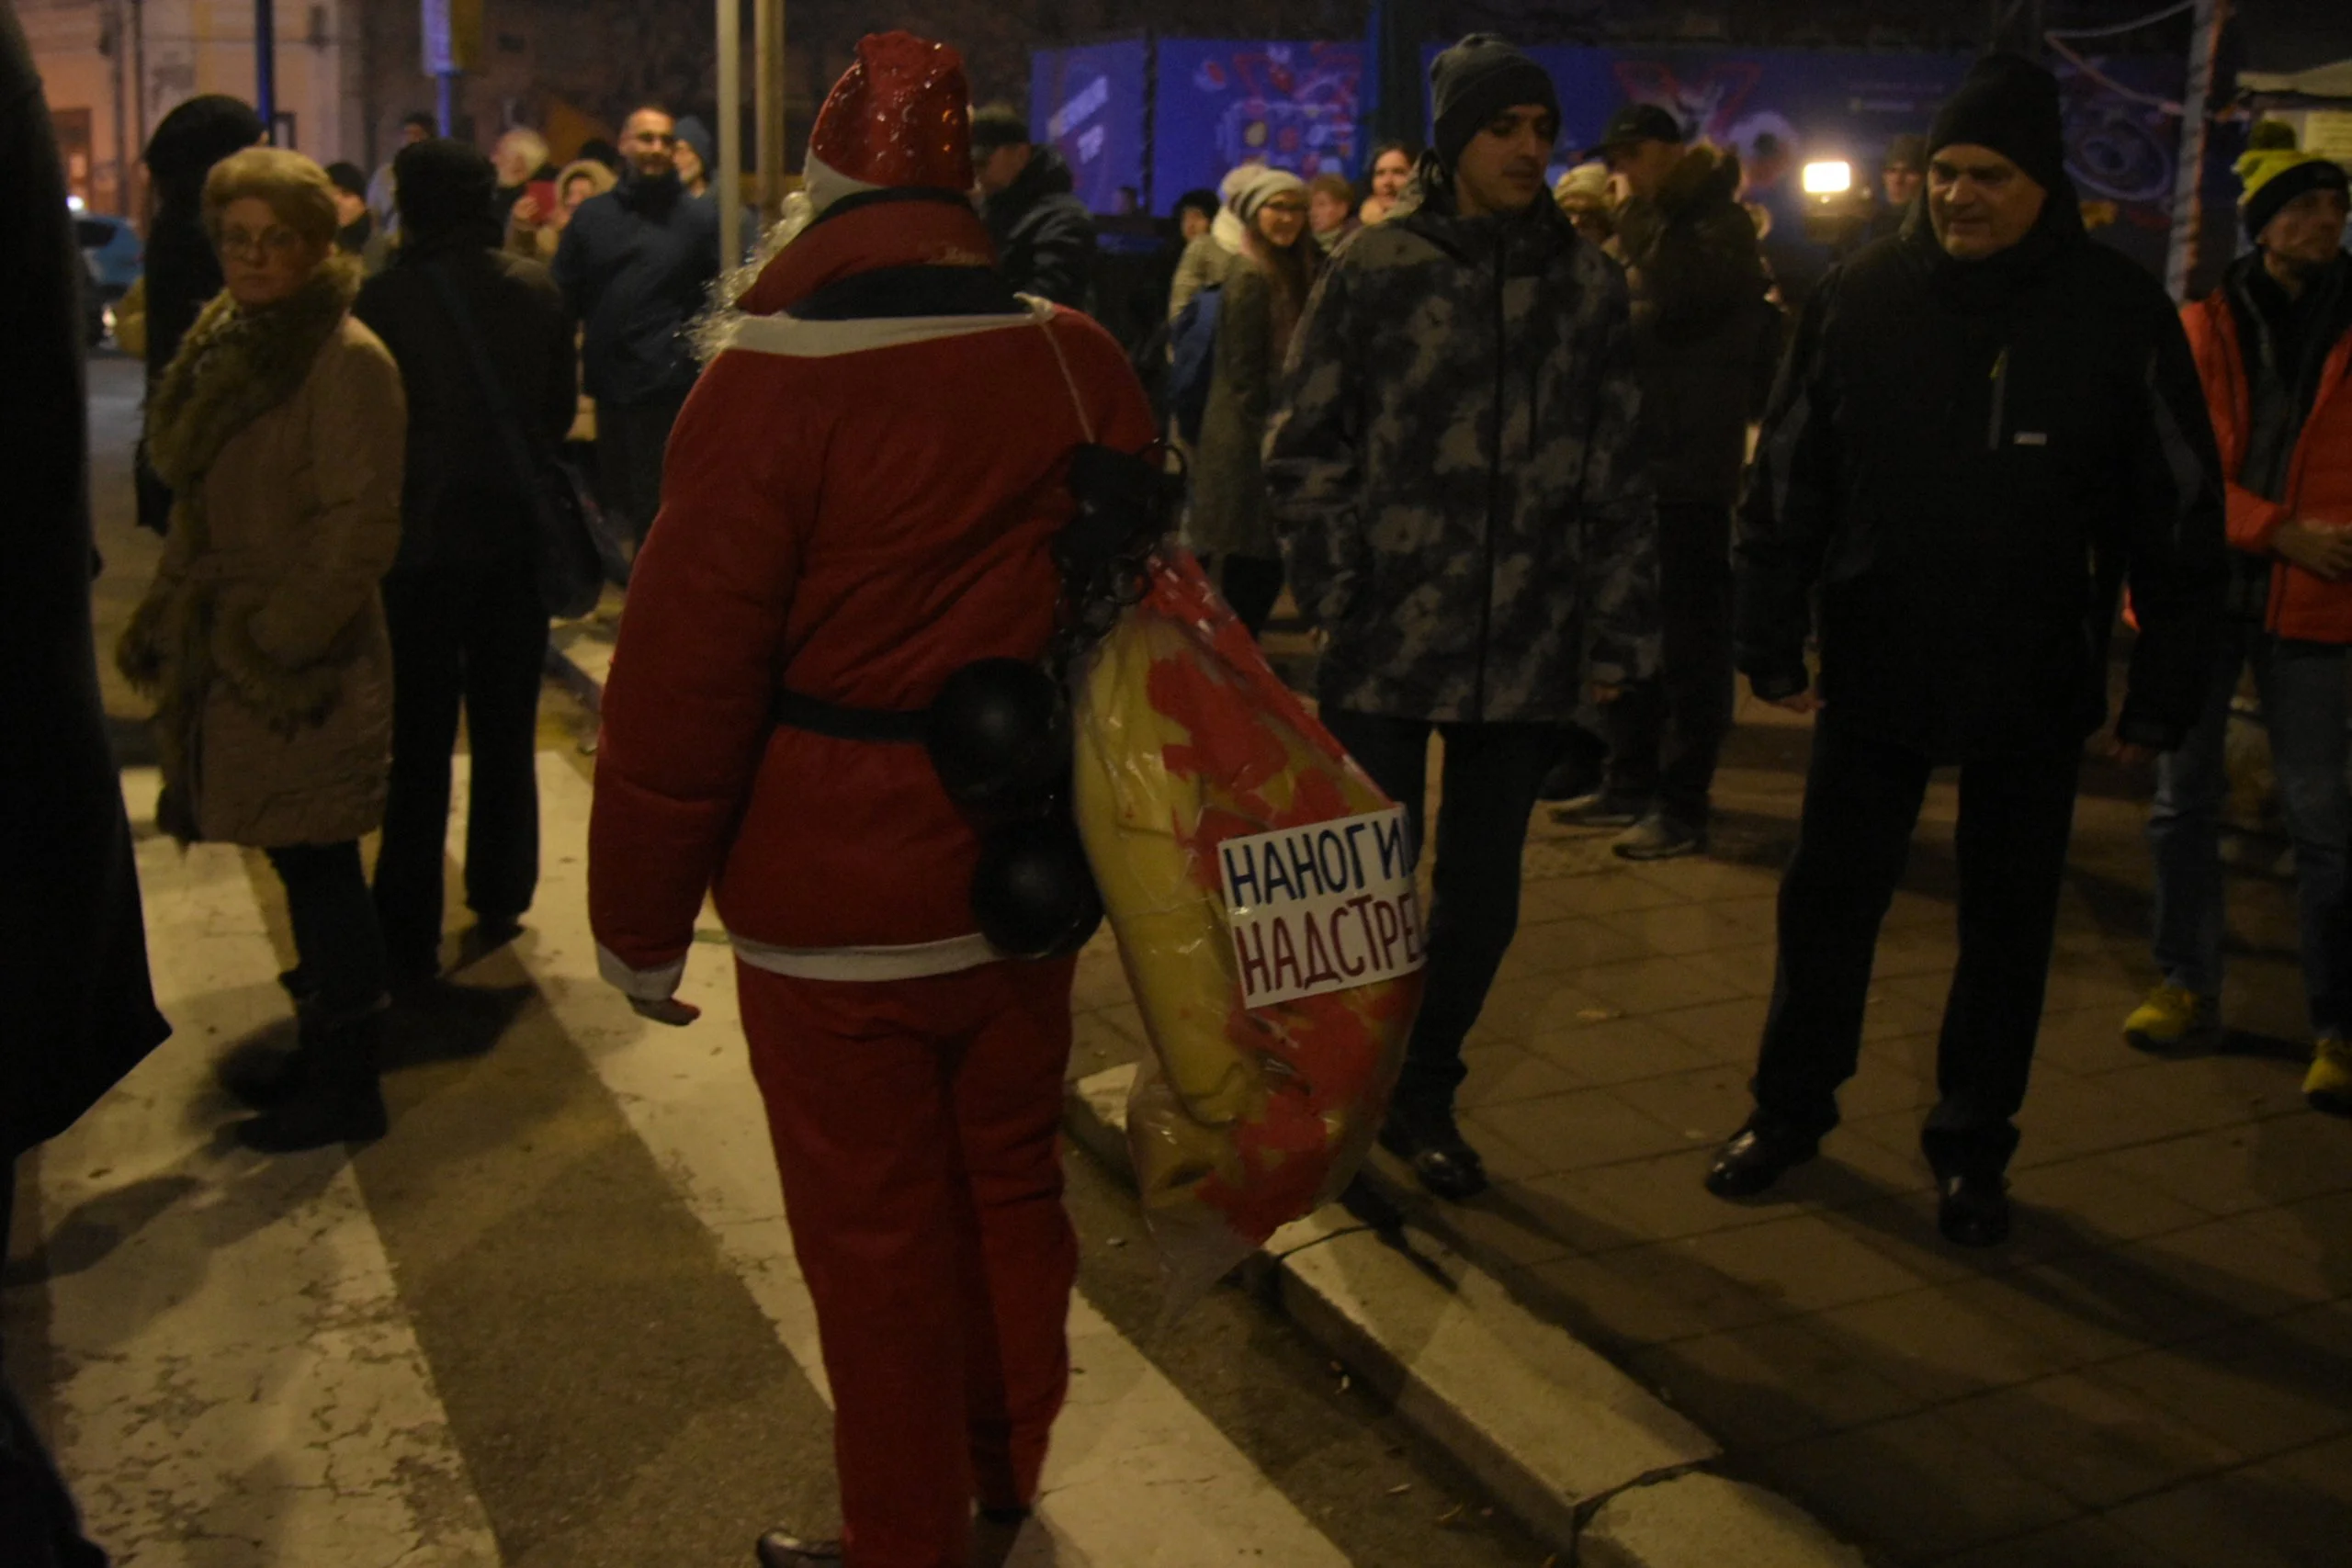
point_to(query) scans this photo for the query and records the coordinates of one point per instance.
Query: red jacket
(2319, 479)
(854, 509)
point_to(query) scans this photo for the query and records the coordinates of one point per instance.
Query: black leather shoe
(1433, 1146)
(779, 1549)
(1756, 1157)
(1974, 1211)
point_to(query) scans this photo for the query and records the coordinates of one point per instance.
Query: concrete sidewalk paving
(2156, 1371)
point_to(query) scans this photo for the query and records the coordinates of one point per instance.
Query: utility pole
(730, 134)
(768, 93)
(118, 46)
(139, 85)
(2188, 185)
(265, 64)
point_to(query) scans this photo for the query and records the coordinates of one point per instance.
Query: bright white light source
(1833, 178)
(74, 203)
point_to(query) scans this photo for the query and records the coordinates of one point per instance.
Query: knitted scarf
(233, 367)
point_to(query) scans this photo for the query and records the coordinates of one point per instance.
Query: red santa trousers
(917, 1129)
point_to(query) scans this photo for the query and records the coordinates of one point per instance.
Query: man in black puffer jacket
(462, 600)
(1986, 425)
(1704, 339)
(1045, 236)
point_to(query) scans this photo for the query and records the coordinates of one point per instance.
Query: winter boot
(261, 1076)
(334, 1098)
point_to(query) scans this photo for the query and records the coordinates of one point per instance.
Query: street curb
(1587, 1459)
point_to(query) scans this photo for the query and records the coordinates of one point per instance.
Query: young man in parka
(1466, 519)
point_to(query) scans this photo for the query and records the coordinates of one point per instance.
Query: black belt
(896, 727)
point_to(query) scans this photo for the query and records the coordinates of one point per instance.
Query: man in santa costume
(860, 499)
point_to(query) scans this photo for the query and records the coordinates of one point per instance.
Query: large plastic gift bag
(1262, 888)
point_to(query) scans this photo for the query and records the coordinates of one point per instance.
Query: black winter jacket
(634, 265)
(1705, 339)
(1045, 236)
(1967, 461)
(72, 948)
(462, 505)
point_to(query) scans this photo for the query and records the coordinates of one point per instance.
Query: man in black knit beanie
(1985, 427)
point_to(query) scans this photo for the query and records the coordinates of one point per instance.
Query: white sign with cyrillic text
(1324, 907)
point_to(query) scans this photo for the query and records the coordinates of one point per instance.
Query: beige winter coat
(302, 509)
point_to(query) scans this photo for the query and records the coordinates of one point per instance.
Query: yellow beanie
(2275, 172)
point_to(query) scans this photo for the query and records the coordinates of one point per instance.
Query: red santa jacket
(851, 509)
(2303, 604)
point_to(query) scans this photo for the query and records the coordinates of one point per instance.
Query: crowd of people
(1543, 470)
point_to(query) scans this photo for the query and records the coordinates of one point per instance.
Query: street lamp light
(1836, 211)
(1829, 178)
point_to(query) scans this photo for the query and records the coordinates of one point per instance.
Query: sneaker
(1598, 811)
(2328, 1086)
(2171, 1018)
(1660, 837)
(1572, 784)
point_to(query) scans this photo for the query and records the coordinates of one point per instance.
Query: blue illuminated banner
(1088, 103)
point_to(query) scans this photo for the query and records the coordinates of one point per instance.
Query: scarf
(232, 367)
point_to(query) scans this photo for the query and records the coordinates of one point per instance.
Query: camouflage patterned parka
(1452, 471)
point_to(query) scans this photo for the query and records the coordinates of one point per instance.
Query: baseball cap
(1637, 122)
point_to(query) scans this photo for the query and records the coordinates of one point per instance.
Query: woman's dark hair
(1385, 148)
(1203, 202)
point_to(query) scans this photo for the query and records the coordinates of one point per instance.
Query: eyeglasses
(1297, 209)
(275, 240)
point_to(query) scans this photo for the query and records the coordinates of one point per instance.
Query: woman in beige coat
(280, 427)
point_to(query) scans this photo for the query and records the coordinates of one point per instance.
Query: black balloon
(999, 736)
(1032, 892)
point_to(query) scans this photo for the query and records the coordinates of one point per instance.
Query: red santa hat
(901, 117)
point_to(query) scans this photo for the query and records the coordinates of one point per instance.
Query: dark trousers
(336, 939)
(1492, 774)
(475, 639)
(1861, 802)
(1665, 733)
(1251, 585)
(630, 441)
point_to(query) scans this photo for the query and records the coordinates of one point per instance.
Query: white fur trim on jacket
(870, 964)
(827, 185)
